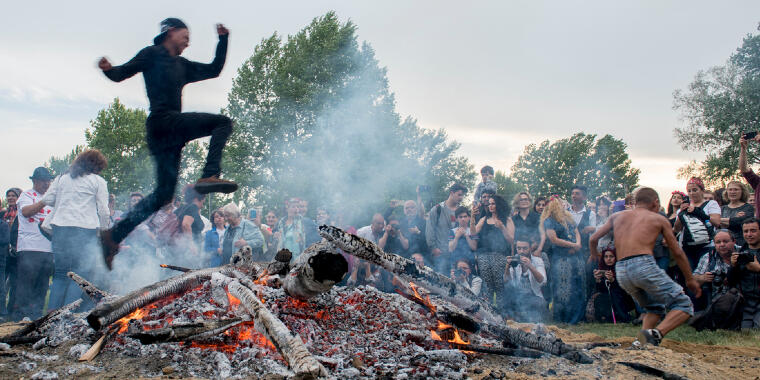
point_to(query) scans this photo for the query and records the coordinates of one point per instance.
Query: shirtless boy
(637, 272)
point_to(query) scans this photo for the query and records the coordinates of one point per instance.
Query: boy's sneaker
(214, 184)
(650, 336)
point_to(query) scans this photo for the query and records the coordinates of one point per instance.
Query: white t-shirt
(29, 236)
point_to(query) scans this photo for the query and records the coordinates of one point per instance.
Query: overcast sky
(496, 75)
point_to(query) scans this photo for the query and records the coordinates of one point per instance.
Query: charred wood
(424, 277)
(315, 271)
(544, 343)
(649, 370)
(289, 344)
(109, 312)
(13, 341)
(174, 267)
(52, 316)
(88, 288)
(518, 352)
(182, 332)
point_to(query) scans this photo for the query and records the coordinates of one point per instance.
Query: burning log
(174, 267)
(289, 344)
(88, 288)
(109, 312)
(50, 317)
(315, 272)
(182, 332)
(407, 269)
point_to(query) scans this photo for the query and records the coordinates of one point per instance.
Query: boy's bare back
(636, 231)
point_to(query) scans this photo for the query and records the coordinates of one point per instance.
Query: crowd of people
(530, 257)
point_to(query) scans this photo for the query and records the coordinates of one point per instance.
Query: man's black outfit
(168, 130)
(749, 283)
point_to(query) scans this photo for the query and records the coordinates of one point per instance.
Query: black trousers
(34, 271)
(167, 134)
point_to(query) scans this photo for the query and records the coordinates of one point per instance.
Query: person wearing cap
(35, 251)
(168, 129)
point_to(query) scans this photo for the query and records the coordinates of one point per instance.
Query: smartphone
(749, 135)
(252, 214)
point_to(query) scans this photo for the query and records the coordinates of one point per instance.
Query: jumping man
(168, 129)
(637, 273)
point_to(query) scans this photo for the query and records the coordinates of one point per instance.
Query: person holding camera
(463, 276)
(524, 276)
(745, 272)
(697, 219)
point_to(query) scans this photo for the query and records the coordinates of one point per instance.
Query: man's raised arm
(201, 71)
(127, 70)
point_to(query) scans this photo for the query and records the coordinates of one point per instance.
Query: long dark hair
(90, 161)
(502, 208)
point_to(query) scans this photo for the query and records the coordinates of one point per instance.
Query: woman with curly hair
(567, 265)
(80, 200)
(496, 232)
(674, 204)
(735, 209)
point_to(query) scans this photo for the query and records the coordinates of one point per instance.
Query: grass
(688, 334)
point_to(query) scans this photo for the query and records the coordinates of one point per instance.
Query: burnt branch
(88, 288)
(50, 317)
(109, 312)
(187, 331)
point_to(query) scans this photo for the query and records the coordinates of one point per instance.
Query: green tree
(601, 164)
(58, 165)
(506, 186)
(315, 118)
(717, 107)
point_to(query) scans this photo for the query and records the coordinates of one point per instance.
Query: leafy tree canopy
(717, 107)
(602, 165)
(315, 119)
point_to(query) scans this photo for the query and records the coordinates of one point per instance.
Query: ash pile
(281, 319)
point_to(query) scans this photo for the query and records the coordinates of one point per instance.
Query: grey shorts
(650, 287)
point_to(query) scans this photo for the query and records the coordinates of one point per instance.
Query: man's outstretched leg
(195, 125)
(167, 169)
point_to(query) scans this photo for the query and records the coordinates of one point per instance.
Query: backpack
(724, 312)
(696, 231)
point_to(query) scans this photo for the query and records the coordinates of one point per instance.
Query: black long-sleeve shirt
(165, 75)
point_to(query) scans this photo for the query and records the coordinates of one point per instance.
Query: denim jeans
(650, 287)
(34, 271)
(74, 249)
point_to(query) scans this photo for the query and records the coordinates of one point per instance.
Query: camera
(459, 272)
(514, 261)
(749, 135)
(424, 188)
(686, 199)
(719, 275)
(745, 258)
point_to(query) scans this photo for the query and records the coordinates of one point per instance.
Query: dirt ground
(694, 361)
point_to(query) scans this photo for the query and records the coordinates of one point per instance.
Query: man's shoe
(109, 247)
(650, 336)
(214, 184)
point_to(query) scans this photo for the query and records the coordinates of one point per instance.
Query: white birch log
(289, 344)
(315, 271)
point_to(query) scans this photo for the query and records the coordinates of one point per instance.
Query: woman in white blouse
(80, 200)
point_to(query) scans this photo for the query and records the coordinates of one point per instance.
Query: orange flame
(140, 313)
(234, 302)
(163, 266)
(426, 301)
